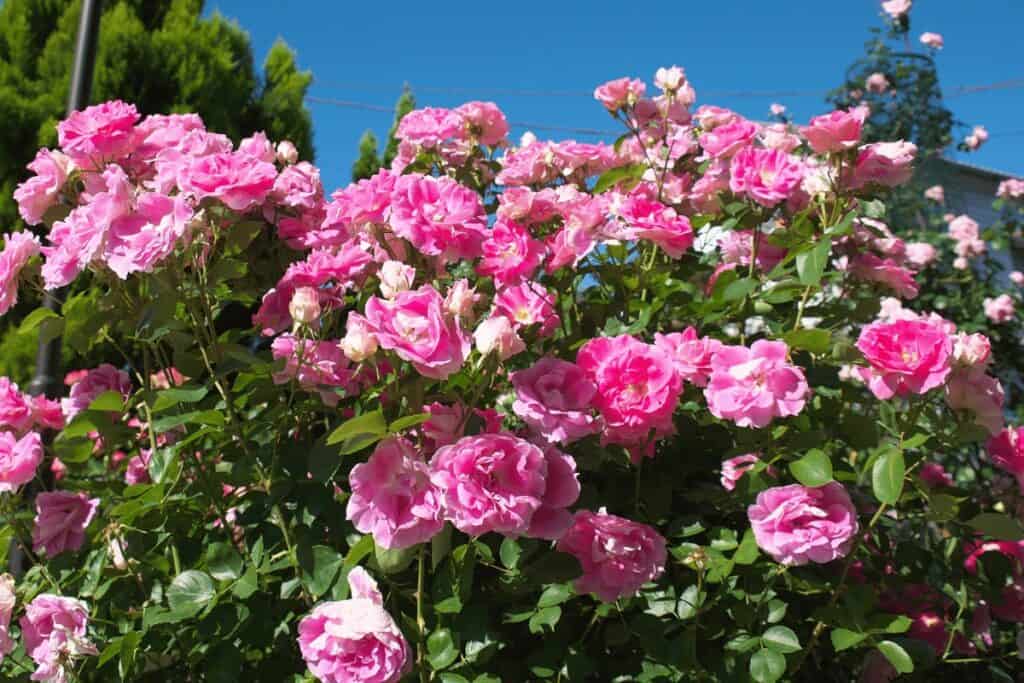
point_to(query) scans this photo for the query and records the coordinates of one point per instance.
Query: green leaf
(844, 639)
(510, 552)
(887, 476)
(189, 593)
(739, 289)
(767, 666)
(554, 595)
(816, 340)
(223, 562)
(163, 465)
(813, 469)
(36, 318)
(810, 264)
(407, 421)
(545, 617)
(176, 395)
(320, 569)
(247, 584)
(394, 561)
(205, 417)
(453, 678)
(748, 551)
(108, 402)
(897, 656)
(781, 639)
(998, 526)
(359, 432)
(617, 175)
(441, 649)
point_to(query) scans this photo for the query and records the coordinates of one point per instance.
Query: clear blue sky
(365, 51)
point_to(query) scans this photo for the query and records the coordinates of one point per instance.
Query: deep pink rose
(298, 187)
(419, 330)
(438, 216)
(354, 640)
(239, 180)
(637, 388)
(319, 366)
(99, 133)
(1006, 450)
(795, 524)
(55, 630)
(97, 381)
(528, 304)
(392, 497)
(430, 126)
(37, 194)
(753, 386)
(445, 425)
(510, 253)
(617, 555)
(19, 459)
(649, 219)
(15, 407)
(934, 475)
(139, 242)
(905, 357)
(554, 397)
(137, 471)
(61, 520)
(362, 203)
(834, 132)
(691, 355)
(485, 122)
(499, 482)
(620, 92)
(768, 176)
(158, 132)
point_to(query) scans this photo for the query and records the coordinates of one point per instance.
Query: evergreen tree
(370, 160)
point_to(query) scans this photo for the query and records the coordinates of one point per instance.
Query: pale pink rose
(554, 397)
(1006, 450)
(979, 394)
(963, 228)
(7, 602)
(395, 277)
(354, 640)
(19, 459)
(97, 381)
(934, 475)
(725, 140)
(884, 163)
(42, 191)
(319, 366)
(360, 342)
(510, 253)
(777, 109)
(752, 386)
(499, 482)
(932, 40)
(651, 220)
(485, 121)
(286, 152)
(737, 247)
(876, 83)
(617, 555)
(445, 425)
(417, 328)
(431, 126)
(1000, 309)
(237, 179)
(834, 132)
(921, 254)
(669, 79)
(972, 350)
(778, 136)
(61, 520)
(298, 187)
(497, 334)
(528, 304)
(619, 93)
(796, 525)
(304, 307)
(392, 497)
(886, 272)
(461, 299)
(690, 354)
(55, 630)
(768, 176)
(102, 132)
(936, 193)
(438, 216)
(1012, 188)
(961, 263)
(896, 8)
(734, 468)
(709, 116)
(906, 357)
(637, 388)
(1017, 277)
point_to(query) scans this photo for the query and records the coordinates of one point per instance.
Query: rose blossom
(510, 253)
(651, 220)
(935, 476)
(972, 350)
(304, 308)
(445, 424)
(1011, 188)
(796, 525)
(876, 83)
(906, 357)
(98, 133)
(15, 407)
(55, 630)
(438, 216)
(98, 381)
(7, 602)
(1006, 449)
(528, 304)
(884, 163)
(395, 277)
(61, 520)
(40, 192)
(617, 555)
(776, 109)
(690, 354)
(669, 79)
(1000, 309)
(936, 193)
(896, 8)
(392, 497)
(618, 93)
(979, 394)
(778, 136)
(836, 131)
(501, 483)
(19, 459)
(360, 342)
(484, 121)
(767, 176)
(286, 153)
(932, 40)
(1017, 277)
(417, 328)
(354, 640)
(921, 254)
(497, 334)
(725, 140)
(554, 397)
(734, 468)
(753, 386)
(237, 179)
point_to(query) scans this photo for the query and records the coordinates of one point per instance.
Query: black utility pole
(46, 380)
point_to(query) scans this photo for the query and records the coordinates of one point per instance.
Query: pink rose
(395, 277)
(501, 483)
(669, 79)
(510, 253)
(886, 272)
(497, 334)
(61, 519)
(140, 241)
(776, 109)
(963, 228)
(98, 380)
(528, 304)
(876, 83)
(15, 407)
(304, 307)
(796, 525)
(363, 203)
(354, 640)
(319, 366)
(934, 475)
(972, 350)
(430, 126)
(417, 328)
(619, 93)
(734, 468)
(445, 425)
(298, 187)
(461, 299)
(1011, 188)
(768, 176)
(737, 246)
(690, 354)
(617, 555)
(884, 163)
(55, 630)
(725, 140)
(237, 179)
(936, 193)
(485, 121)
(709, 116)
(360, 342)
(1017, 277)
(7, 602)
(932, 40)
(438, 216)
(1000, 309)
(554, 397)
(137, 471)
(102, 132)
(651, 220)
(42, 191)
(978, 394)
(637, 388)
(834, 132)
(1006, 450)
(896, 8)
(753, 386)
(47, 413)
(392, 497)
(286, 153)
(19, 459)
(921, 254)
(905, 357)
(778, 136)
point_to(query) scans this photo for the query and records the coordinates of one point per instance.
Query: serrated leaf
(190, 592)
(887, 476)
(359, 432)
(814, 340)
(781, 639)
(813, 469)
(441, 650)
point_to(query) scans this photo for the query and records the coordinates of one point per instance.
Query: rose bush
(506, 411)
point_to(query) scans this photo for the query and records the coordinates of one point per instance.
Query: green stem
(421, 623)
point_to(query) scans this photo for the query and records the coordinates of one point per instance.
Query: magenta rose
(728, 138)
(392, 497)
(499, 482)
(768, 176)
(55, 630)
(19, 459)
(905, 357)
(651, 220)
(99, 133)
(554, 397)
(15, 407)
(510, 253)
(753, 386)
(796, 525)
(617, 555)
(1006, 450)
(239, 180)
(61, 520)
(97, 381)
(354, 640)
(418, 329)
(438, 216)
(691, 355)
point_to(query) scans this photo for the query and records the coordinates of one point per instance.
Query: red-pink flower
(61, 519)
(905, 357)
(19, 459)
(886, 272)
(501, 483)
(137, 470)
(796, 525)
(417, 328)
(319, 366)
(55, 630)
(239, 180)
(834, 132)
(617, 555)
(618, 93)
(392, 497)
(1006, 450)
(510, 253)
(753, 386)
(438, 216)
(768, 176)
(15, 407)
(934, 475)
(691, 355)
(99, 133)
(554, 397)
(37, 194)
